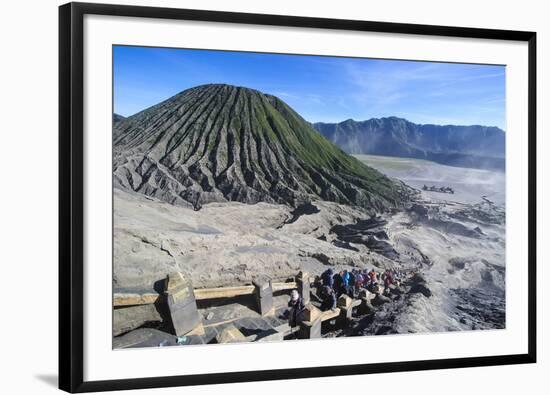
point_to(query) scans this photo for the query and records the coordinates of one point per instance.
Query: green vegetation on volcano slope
(224, 143)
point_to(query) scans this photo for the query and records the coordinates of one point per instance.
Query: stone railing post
(310, 325)
(182, 304)
(303, 286)
(346, 308)
(264, 295)
(366, 296)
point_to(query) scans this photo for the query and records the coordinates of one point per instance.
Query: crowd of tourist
(330, 286)
(350, 283)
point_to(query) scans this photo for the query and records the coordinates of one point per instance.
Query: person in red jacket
(372, 275)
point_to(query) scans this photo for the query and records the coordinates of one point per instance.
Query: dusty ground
(456, 241)
(226, 243)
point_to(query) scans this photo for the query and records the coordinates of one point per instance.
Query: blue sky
(321, 89)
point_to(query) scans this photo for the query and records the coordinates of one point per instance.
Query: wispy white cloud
(414, 90)
(392, 84)
(459, 80)
(383, 86)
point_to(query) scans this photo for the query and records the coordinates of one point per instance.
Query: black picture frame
(71, 196)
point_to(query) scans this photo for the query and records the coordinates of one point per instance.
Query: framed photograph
(251, 197)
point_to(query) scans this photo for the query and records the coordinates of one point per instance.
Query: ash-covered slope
(465, 146)
(216, 143)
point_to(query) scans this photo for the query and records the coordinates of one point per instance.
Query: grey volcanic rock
(422, 289)
(380, 300)
(466, 146)
(303, 209)
(129, 318)
(418, 279)
(369, 232)
(219, 143)
(420, 210)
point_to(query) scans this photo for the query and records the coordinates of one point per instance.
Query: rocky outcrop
(303, 209)
(128, 318)
(421, 289)
(218, 143)
(419, 285)
(420, 210)
(380, 300)
(369, 232)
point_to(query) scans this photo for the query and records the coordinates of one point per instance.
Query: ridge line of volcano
(247, 148)
(146, 174)
(254, 139)
(285, 167)
(191, 152)
(282, 167)
(209, 131)
(227, 120)
(150, 127)
(183, 120)
(186, 121)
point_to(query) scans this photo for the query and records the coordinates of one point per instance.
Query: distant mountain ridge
(219, 143)
(466, 146)
(117, 118)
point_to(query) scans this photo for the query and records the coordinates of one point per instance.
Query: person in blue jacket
(345, 282)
